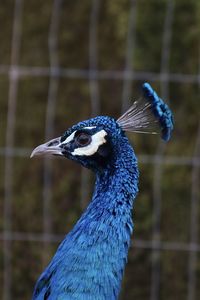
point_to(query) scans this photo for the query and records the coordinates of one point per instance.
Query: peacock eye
(83, 139)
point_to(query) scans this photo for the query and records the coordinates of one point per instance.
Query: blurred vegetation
(73, 104)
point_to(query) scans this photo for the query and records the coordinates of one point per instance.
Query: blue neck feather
(89, 263)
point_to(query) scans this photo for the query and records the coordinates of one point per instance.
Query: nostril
(53, 143)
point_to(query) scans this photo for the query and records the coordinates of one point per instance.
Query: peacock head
(94, 142)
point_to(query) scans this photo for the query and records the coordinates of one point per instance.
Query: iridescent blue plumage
(89, 263)
(160, 110)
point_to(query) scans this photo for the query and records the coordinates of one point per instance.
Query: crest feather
(149, 114)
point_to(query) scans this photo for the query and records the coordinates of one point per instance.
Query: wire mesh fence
(98, 79)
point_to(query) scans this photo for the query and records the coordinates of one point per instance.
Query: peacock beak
(52, 147)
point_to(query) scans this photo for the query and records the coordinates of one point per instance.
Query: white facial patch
(69, 138)
(98, 139)
(90, 127)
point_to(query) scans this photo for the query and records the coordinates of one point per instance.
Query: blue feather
(160, 110)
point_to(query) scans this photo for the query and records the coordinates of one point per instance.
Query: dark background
(65, 61)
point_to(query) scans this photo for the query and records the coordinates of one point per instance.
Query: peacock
(89, 263)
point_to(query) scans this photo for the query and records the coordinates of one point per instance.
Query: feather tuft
(149, 114)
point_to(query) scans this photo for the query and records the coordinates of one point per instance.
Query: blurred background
(65, 61)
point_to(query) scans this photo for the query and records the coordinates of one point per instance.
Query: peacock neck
(117, 185)
(106, 226)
